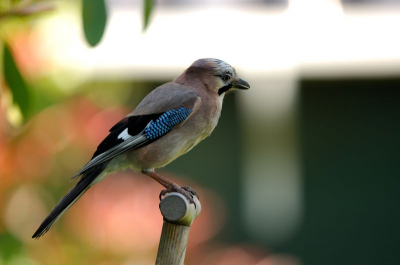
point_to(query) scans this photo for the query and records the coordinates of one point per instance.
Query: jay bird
(169, 122)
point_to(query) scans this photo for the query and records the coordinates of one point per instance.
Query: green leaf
(9, 246)
(94, 16)
(15, 82)
(148, 7)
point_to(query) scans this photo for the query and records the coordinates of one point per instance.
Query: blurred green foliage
(148, 7)
(9, 246)
(94, 17)
(32, 100)
(15, 82)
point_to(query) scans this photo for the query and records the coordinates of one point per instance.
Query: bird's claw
(162, 194)
(186, 191)
(191, 191)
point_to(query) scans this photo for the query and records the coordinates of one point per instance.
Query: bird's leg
(171, 186)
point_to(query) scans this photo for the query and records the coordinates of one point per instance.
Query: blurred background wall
(302, 168)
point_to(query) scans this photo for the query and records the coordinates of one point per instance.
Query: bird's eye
(226, 78)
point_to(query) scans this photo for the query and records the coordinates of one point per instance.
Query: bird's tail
(69, 199)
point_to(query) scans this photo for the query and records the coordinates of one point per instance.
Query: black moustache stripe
(224, 89)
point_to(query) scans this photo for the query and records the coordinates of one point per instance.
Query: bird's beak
(240, 84)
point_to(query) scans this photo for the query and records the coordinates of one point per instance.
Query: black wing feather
(135, 125)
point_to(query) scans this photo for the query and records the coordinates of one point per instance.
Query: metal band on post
(179, 215)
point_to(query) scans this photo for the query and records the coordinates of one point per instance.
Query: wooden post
(178, 215)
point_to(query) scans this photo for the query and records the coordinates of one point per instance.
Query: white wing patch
(124, 135)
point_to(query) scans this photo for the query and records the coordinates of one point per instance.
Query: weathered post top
(179, 215)
(176, 209)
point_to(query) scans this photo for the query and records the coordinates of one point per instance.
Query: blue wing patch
(166, 122)
(142, 130)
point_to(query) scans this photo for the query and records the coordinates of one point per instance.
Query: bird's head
(217, 75)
